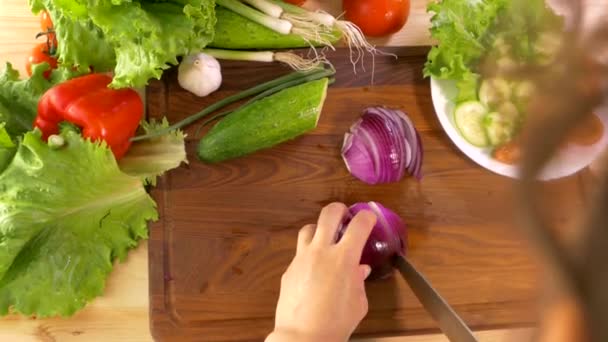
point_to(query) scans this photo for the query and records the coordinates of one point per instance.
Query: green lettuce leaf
(468, 86)
(65, 215)
(523, 25)
(7, 147)
(5, 139)
(135, 39)
(19, 97)
(460, 27)
(150, 158)
(468, 30)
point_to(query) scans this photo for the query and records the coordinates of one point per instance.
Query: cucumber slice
(508, 111)
(546, 47)
(493, 91)
(506, 64)
(499, 129)
(468, 117)
(502, 47)
(523, 92)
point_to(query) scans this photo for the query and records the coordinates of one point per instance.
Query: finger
(329, 221)
(305, 236)
(358, 231)
(365, 271)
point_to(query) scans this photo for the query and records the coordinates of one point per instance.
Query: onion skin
(388, 238)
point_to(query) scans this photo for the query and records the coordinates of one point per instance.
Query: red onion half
(382, 146)
(388, 237)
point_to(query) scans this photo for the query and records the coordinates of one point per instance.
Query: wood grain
(122, 313)
(228, 230)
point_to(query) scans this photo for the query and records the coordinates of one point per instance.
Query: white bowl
(568, 161)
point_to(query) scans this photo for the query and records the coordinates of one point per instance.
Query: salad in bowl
(482, 111)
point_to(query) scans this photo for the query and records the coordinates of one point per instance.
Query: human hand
(563, 321)
(322, 294)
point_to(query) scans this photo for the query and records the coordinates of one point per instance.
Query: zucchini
(265, 123)
(468, 117)
(235, 32)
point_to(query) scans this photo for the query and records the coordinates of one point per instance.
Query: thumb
(364, 270)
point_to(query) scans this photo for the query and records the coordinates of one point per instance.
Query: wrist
(294, 336)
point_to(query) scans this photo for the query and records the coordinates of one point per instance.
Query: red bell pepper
(111, 115)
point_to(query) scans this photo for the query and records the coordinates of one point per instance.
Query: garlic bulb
(199, 74)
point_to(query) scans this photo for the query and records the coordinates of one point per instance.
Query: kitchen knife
(449, 322)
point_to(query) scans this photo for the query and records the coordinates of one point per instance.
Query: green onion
(278, 25)
(315, 26)
(320, 17)
(261, 90)
(296, 62)
(239, 55)
(266, 93)
(269, 8)
(266, 16)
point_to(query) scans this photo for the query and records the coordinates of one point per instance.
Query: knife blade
(450, 323)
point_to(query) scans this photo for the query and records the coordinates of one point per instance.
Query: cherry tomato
(40, 53)
(377, 17)
(46, 25)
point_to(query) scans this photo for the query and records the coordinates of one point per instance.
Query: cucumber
(509, 111)
(494, 91)
(233, 31)
(547, 46)
(499, 129)
(468, 117)
(265, 123)
(506, 64)
(523, 92)
(500, 45)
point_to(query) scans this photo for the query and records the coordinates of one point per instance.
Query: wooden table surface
(122, 313)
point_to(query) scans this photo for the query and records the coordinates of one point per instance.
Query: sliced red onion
(390, 155)
(361, 164)
(387, 140)
(388, 237)
(420, 154)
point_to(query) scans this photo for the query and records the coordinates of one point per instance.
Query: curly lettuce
(69, 210)
(19, 97)
(460, 27)
(150, 158)
(136, 40)
(65, 215)
(466, 31)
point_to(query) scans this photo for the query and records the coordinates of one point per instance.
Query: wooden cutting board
(228, 231)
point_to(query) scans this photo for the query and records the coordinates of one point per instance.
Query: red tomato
(377, 17)
(46, 25)
(296, 2)
(40, 53)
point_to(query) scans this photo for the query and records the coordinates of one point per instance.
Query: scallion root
(314, 27)
(317, 26)
(297, 62)
(318, 35)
